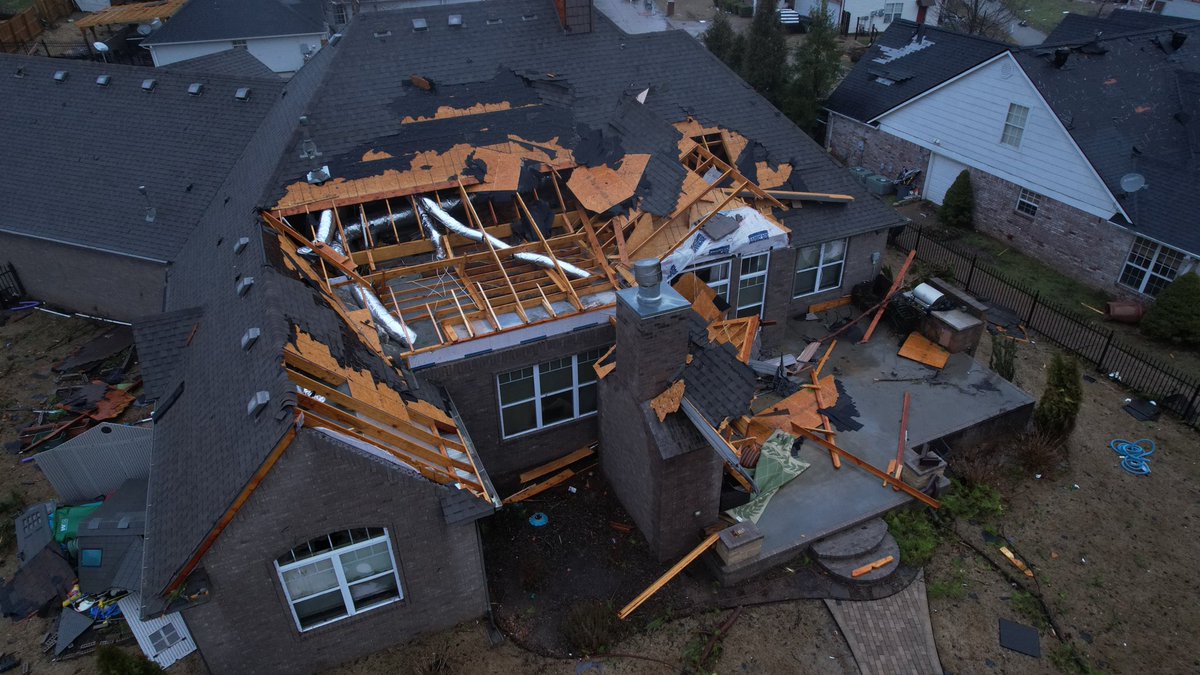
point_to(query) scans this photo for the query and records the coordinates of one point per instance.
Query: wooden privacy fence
(20, 30)
(1173, 390)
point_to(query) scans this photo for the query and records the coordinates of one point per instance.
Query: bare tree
(985, 18)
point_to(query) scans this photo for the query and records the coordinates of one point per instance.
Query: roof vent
(151, 212)
(318, 176)
(250, 337)
(528, 17)
(494, 20)
(60, 75)
(257, 402)
(648, 274)
(242, 94)
(196, 88)
(123, 523)
(94, 524)
(241, 244)
(103, 80)
(455, 21)
(1177, 39)
(1060, 56)
(243, 286)
(335, 38)
(419, 25)
(20, 72)
(149, 84)
(386, 32)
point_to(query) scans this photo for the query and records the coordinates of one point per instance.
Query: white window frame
(1014, 125)
(591, 355)
(722, 286)
(897, 11)
(820, 268)
(1157, 259)
(344, 586)
(752, 276)
(160, 636)
(1028, 203)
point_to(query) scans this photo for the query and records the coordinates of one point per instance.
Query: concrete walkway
(891, 636)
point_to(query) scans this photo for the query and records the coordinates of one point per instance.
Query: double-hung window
(1150, 267)
(339, 575)
(819, 268)
(1028, 203)
(752, 285)
(716, 275)
(1014, 125)
(548, 393)
(892, 11)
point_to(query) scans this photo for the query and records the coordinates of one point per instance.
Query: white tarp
(755, 234)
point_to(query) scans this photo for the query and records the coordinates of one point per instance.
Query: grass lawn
(14, 6)
(1044, 15)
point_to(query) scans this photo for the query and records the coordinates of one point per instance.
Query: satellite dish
(144, 29)
(1132, 182)
(100, 47)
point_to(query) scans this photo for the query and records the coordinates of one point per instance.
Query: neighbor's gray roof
(75, 152)
(210, 20)
(1078, 28)
(231, 62)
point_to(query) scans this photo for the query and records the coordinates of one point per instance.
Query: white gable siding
(280, 54)
(964, 120)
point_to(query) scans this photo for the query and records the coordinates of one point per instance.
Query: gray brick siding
(858, 144)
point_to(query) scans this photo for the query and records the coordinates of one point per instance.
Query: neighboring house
(1082, 153)
(863, 16)
(283, 34)
(1185, 9)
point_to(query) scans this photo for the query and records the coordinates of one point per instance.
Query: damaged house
(459, 244)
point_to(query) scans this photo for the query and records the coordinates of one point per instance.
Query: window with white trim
(716, 275)
(1150, 267)
(752, 285)
(1028, 203)
(892, 11)
(339, 575)
(549, 393)
(164, 638)
(1014, 125)
(819, 268)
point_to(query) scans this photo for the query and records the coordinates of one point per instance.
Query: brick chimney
(575, 15)
(652, 333)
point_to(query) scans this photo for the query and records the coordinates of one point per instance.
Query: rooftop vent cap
(493, 20)
(250, 337)
(257, 402)
(60, 75)
(243, 286)
(528, 17)
(196, 88)
(1132, 182)
(334, 39)
(1177, 39)
(455, 21)
(1060, 56)
(648, 274)
(149, 84)
(319, 176)
(103, 80)
(386, 32)
(241, 244)
(419, 25)
(123, 523)
(242, 94)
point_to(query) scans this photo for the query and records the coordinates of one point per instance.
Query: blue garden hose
(1134, 454)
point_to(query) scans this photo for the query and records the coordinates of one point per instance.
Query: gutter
(84, 246)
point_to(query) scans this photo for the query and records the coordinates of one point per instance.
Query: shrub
(1055, 414)
(976, 502)
(958, 207)
(590, 625)
(1040, 453)
(1004, 354)
(915, 535)
(111, 660)
(1175, 314)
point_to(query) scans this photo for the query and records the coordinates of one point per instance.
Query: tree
(764, 61)
(818, 64)
(722, 41)
(1004, 355)
(958, 207)
(1175, 314)
(985, 18)
(112, 660)
(1055, 413)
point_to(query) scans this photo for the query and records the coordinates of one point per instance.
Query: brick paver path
(891, 636)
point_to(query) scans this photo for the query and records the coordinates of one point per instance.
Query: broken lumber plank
(556, 464)
(669, 575)
(1016, 561)
(918, 348)
(826, 306)
(865, 569)
(896, 284)
(866, 466)
(668, 402)
(821, 364)
(539, 488)
(903, 436)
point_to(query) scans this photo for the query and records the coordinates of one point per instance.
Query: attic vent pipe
(648, 274)
(1177, 39)
(1060, 56)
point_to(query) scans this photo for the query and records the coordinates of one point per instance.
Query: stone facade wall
(858, 144)
(471, 383)
(82, 280)
(317, 487)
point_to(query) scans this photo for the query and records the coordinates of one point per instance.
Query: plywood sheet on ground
(921, 350)
(800, 409)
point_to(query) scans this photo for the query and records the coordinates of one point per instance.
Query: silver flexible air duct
(324, 230)
(354, 231)
(432, 233)
(383, 318)
(452, 224)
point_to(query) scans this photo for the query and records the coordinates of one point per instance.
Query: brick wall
(471, 383)
(858, 144)
(317, 487)
(82, 280)
(858, 268)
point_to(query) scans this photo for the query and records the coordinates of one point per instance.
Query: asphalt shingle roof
(231, 63)
(161, 340)
(1080, 28)
(76, 152)
(718, 384)
(210, 20)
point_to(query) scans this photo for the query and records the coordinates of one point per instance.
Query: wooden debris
(556, 464)
(539, 488)
(896, 284)
(817, 370)
(420, 82)
(668, 402)
(669, 575)
(1016, 562)
(918, 348)
(603, 369)
(903, 437)
(866, 466)
(866, 569)
(599, 188)
(826, 306)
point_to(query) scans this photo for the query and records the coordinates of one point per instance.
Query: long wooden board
(908, 489)
(555, 465)
(670, 574)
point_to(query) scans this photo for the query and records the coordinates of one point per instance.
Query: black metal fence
(1172, 389)
(11, 289)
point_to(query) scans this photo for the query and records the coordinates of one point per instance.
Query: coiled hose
(1134, 454)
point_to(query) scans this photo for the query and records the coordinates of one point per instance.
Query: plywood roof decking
(600, 188)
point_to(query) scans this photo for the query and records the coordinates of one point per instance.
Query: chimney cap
(651, 297)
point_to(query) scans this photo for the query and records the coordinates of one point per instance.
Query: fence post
(1104, 352)
(1032, 307)
(917, 244)
(971, 272)
(1187, 412)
